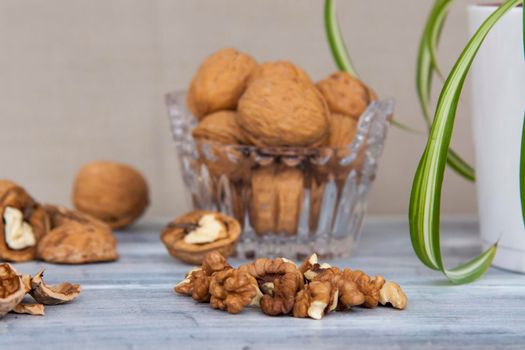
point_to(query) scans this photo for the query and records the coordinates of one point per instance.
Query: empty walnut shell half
(192, 236)
(12, 289)
(115, 193)
(219, 82)
(76, 238)
(283, 112)
(345, 94)
(23, 223)
(52, 294)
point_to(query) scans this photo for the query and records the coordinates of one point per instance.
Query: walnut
(29, 309)
(115, 193)
(219, 82)
(52, 294)
(311, 267)
(391, 293)
(276, 200)
(345, 94)
(77, 243)
(197, 281)
(315, 300)
(23, 223)
(59, 216)
(12, 289)
(280, 279)
(349, 293)
(220, 127)
(192, 236)
(370, 287)
(279, 70)
(232, 290)
(283, 112)
(342, 131)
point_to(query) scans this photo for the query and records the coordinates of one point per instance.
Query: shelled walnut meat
(76, 238)
(14, 287)
(279, 287)
(23, 223)
(114, 193)
(192, 236)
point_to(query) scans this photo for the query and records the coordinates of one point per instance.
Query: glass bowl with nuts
(292, 160)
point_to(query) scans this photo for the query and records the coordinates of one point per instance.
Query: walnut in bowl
(190, 237)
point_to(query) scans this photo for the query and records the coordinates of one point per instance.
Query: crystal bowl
(290, 201)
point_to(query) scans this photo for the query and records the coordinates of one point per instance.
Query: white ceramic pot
(498, 76)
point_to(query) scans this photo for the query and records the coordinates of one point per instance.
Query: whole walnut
(346, 94)
(219, 82)
(279, 70)
(342, 130)
(283, 112)
(112, 192)
(220, 127)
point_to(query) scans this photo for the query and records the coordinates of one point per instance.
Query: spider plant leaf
(425, 200)
(335, 39)
(522, 165)
(426, 66)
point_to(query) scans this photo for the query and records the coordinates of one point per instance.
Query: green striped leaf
(427, 65)
(335, 39)
(425, 200)
(522, 166)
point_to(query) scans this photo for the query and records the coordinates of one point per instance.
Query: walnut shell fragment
(52, 294)
(219, 82)
(23, 223)
(283, 112)
(279, 280)
(30, 309)
(12, 289)
(114, 193)
(78, 239)
(192, 236)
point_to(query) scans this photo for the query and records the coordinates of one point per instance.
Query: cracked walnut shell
(52, 294)
(23, 223)
(192, 236)
(345, 94)
(219, 82)
(279, 280)
(283, 112)
(76, 238)
(12, 289)
(114, 193)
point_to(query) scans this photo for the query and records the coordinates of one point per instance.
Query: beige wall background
(84, 79)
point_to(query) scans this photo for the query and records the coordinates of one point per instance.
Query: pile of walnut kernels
(279, 287)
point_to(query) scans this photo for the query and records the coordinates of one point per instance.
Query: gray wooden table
(131, 304)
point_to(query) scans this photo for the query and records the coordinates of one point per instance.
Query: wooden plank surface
(130, 304)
